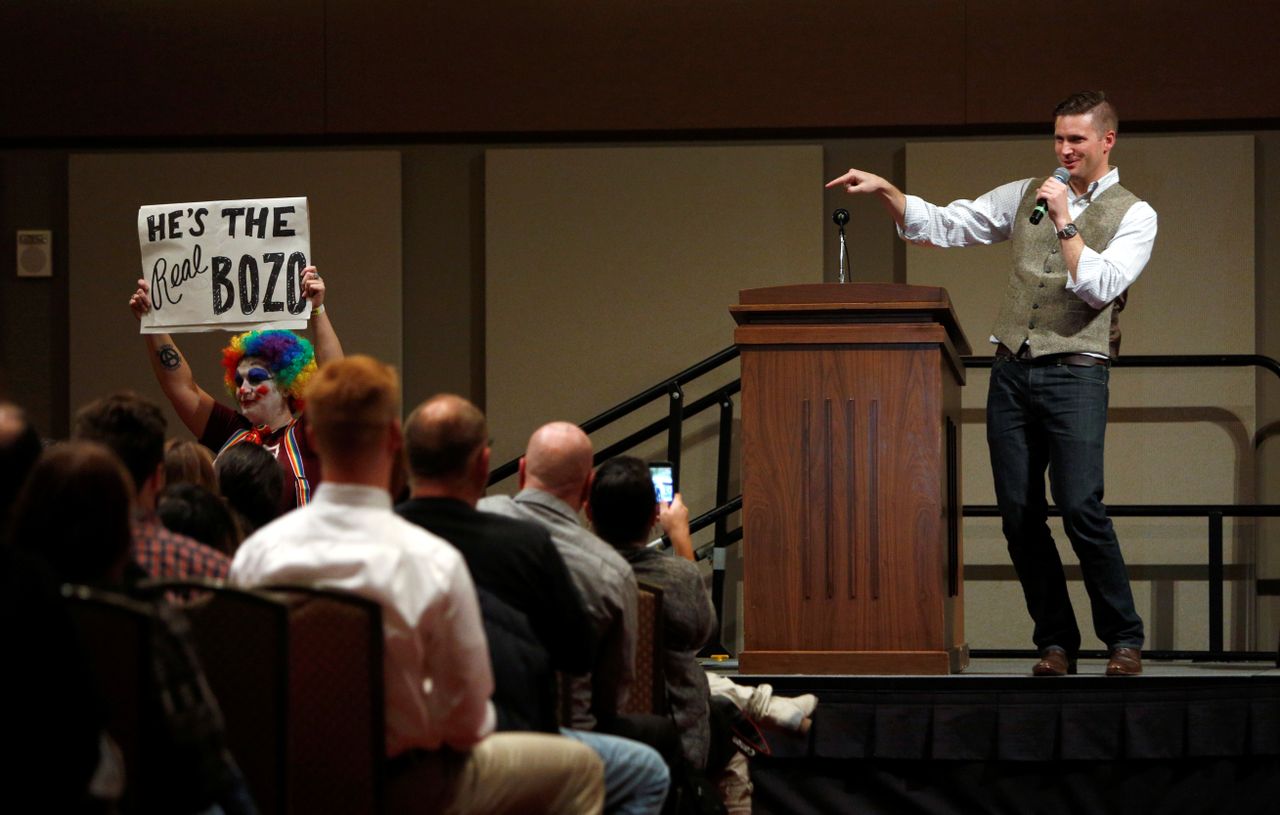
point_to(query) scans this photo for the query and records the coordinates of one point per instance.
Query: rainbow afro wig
(291, 359)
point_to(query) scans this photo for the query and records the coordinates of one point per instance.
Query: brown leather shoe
(1054, 662)
(1125, 662)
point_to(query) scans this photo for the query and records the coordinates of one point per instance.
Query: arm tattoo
(169, 357)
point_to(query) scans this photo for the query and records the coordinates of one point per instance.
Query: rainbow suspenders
(292, 455)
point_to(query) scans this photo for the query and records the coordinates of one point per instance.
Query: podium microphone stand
(841, 217)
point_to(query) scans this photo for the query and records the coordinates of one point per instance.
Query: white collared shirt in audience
(436, 658)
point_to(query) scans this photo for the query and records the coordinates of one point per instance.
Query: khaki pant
(735, 786)
(516, 773)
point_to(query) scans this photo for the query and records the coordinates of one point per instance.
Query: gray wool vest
(1038, 309)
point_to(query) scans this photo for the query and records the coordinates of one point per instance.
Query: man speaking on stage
(1055, 336)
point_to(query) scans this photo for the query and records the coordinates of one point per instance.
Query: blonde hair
(189, 462)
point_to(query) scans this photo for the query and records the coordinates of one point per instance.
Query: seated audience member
(555, 478)
(727, 766)
(191, 510)
(447, 445)
(251, 481)
(623, 509)
(443, 754)
(266, 373)
(19, 448)
(618, 518)
(448, 453)
(189, 462)
(524, 683)
(74, 514)
(134, 429)
(54, 710)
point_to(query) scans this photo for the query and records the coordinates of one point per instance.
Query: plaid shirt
(165, 554)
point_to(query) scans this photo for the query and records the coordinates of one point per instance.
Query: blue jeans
(1054, 417)
(636, 778)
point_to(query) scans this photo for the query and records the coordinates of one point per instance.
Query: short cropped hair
(350, 404)
(1095, 102)
(132, 427)
(75, 512)
(622, 501)
(443, 435)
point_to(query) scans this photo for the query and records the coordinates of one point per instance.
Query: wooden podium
(850, 479)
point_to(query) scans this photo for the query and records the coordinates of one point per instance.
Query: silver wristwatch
(1067, 232)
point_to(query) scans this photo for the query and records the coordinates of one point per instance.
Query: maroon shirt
(298, 461)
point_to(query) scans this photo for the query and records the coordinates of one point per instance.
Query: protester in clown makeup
(266, 373)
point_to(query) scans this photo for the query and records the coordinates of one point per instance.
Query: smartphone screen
(664, 481)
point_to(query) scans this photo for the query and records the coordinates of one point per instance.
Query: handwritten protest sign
(225, 265)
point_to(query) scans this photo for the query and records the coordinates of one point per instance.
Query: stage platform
(1188, 737)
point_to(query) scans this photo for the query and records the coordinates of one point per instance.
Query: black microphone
(841, 217)
(1042, 206)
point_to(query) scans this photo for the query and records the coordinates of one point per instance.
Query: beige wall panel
(33, 322)
(1267, 439)
(444, 271)
(1176, 435)
(354, 200)
(608, 270)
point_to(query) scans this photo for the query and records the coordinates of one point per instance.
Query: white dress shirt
(436, 658)
(1100, 276)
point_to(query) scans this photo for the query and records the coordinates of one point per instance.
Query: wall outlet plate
(35, 253)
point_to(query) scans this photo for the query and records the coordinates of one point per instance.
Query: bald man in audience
(448, 453)
(555, 480)
(443, 754)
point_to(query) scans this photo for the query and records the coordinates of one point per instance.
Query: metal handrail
(1169, 361)
(724, 537)
(669, 388)
(1213, 513)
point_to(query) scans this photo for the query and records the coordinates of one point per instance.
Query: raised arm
(192, 404)
(323, 337)
(858, 182)
(674, 520)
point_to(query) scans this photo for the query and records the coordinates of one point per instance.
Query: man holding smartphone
(664, 480)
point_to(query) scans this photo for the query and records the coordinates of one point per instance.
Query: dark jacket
(516, 562)
(524, 690)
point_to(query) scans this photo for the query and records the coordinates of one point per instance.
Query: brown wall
(441, 82)
(104, 69)
(394, 73)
